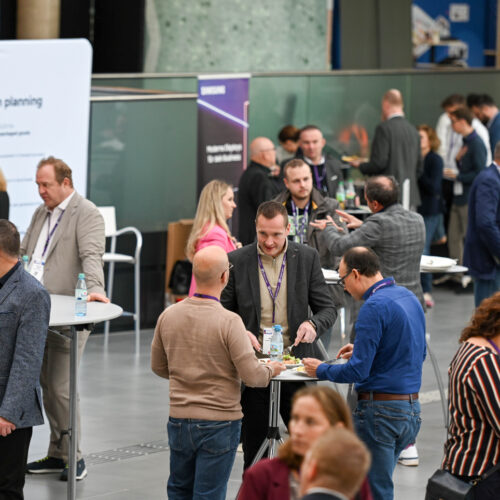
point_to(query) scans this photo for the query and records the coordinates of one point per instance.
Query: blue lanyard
(51, 233)
(268, 285)
(300, 231)
(384, 283)
(204, 296)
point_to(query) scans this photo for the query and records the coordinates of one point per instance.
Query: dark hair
(289, 133)
(486, 100)
(333, 406)
(61, 169)
(9, 238)
(307, 128)
(485, 321)
(295, 163)
(378, 189)
(463, 114)
(364, 259)
(453, 100)
(434, 141)
(473, 100)
(270, 209)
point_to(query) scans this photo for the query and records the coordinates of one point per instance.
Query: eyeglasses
(229, 267)
(342, 279)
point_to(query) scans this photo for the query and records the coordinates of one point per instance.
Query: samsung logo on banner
(213, 90)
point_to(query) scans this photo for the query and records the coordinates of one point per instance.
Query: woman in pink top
(215, 207)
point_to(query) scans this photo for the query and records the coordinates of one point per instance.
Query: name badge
(36, 269)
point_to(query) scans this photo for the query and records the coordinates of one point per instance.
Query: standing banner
(44, 111)
(222, 128)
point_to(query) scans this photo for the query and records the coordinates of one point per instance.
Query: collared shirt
(272, 267)
(395, 115)
(52, 217)
(389, 348)
(8, 274)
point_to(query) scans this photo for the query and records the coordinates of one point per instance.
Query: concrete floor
(125, 408)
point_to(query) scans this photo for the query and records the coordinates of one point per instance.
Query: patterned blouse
(473, 445)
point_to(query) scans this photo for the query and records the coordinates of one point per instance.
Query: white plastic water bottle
(276, 351)
(81, 296)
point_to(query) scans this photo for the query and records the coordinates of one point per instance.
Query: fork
(288, 350)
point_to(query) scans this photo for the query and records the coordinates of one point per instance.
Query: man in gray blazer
(24, 319)
(293, 272)
(396, 235)
(65, 238)
(395, 147)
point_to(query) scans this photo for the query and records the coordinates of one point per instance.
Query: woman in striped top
(473, 445)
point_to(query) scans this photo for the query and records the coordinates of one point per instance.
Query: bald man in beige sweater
(205, 352)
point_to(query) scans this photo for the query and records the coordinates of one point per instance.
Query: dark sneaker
(45, 465)
(81, 471)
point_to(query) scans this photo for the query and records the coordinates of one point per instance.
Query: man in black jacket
(276, 281)
(325, 168)
(256, 186)
(395, 147)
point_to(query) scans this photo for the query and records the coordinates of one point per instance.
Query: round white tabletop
(62, 311)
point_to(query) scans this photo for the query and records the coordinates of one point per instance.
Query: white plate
(431, 262)
(290, 366)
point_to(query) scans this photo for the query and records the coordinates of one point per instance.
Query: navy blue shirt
(389, 348)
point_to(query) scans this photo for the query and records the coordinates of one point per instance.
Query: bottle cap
(25, 258)
(81, 276)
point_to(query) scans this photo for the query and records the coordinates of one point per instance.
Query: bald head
(262, 151)
(392, 102)
(208, 266)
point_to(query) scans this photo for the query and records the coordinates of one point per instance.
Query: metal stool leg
(273, 434)
(439, 380)
(137, 303)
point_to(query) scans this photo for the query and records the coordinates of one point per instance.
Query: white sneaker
(466, 279)
(409, 456)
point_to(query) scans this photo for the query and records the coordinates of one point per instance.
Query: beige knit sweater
(205, 352)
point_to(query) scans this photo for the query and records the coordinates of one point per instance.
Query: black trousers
(255, 406)
(13, 458)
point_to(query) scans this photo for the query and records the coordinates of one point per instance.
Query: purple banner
(222, 128)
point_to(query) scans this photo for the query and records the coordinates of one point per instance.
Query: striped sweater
(473, 445)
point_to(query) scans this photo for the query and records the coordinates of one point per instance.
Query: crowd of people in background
(427, 190)
(424, 189)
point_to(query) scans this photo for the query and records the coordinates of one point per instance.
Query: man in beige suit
(65, 238)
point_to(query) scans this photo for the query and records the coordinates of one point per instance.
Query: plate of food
(433, 263)
(291, 361)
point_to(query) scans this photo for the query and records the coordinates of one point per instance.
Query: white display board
(44, 111)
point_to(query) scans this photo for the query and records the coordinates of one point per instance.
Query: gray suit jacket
(24, 319)
(396, 151)
(306, 288)
(77, 247)
(396, 235)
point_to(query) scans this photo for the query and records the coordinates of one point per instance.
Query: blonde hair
(3, 182)
(208, 214)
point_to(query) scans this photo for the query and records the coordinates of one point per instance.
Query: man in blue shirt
(385, 363)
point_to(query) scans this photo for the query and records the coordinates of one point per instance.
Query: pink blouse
(216, 236)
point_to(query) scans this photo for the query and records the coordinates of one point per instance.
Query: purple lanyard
(494, 345)
(268, 285)
(319, 178)
(383, 284)
(300, 231)
(204, 296)
(49, 236)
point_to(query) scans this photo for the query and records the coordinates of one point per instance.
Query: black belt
(380, 396)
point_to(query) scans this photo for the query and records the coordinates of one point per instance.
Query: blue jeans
(201, 457)
(433, 223)
(486, 288)
(386, 427)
